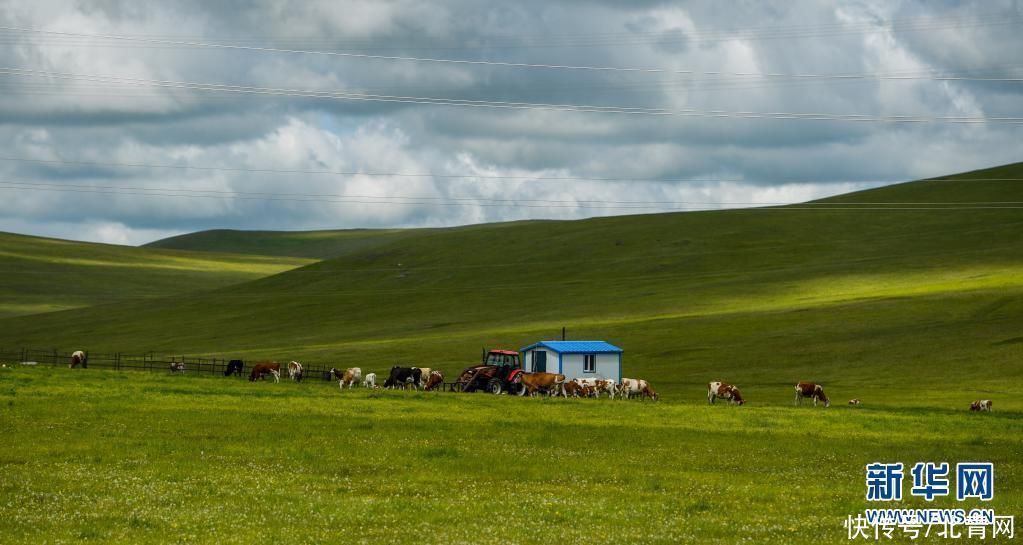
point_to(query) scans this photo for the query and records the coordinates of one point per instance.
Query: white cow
(370, 381)
(424, 375)
(295, 371)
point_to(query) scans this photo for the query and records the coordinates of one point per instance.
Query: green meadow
(103, 457)
(916, 309)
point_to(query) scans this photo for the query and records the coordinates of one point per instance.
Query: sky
(129, 121)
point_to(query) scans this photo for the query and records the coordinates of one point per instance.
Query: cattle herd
(532, 384)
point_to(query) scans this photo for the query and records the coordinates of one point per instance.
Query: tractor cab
(503, 358)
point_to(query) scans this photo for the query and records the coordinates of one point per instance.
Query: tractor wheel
(494, 386)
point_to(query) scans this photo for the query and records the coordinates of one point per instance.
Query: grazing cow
(295, 371)
(551, 383)
(262, 369)
(810, 389)
(434, 380)
(234, 367)
(574, 388)
(599, 386)
(983, 405)
(352, 376)
(631, 387)
(854, 401)
(724, 391)
(402, 377)
(177, 367)
(370, 381)
(79, 358)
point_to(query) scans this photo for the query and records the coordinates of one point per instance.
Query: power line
(908, 24)
(623, 110)
(504, 203)
(506, 64)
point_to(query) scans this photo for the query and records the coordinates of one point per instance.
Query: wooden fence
(118, 361)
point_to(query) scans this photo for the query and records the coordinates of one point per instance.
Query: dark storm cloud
(243, 135)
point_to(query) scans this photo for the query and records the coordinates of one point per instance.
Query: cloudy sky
(128, 121)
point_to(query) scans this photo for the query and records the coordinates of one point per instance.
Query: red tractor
(498, 372)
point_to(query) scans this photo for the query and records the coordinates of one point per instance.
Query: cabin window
(589, 363)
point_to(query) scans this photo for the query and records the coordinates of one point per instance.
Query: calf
(262, 369)
(434, 380)
(295, 371)
(854, 401)
(982, 405)
(811, 389)
(631, 387)
(724, 391)
(599, 386)
(234, 367)
(402, 377)
(352, 376)
(551, 383)
(177, 367)
(370, 381)
(574, 388)
(79, 358)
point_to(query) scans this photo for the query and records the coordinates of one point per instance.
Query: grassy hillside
(44, 275)
(856, 296)
(308, 244)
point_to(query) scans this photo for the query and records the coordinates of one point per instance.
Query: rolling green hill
(850, 291)
(44, 275)
(307, 244)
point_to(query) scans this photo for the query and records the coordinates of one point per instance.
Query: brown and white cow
(631, 387)
(551, 383)
(434, 380)
(983, 405)
(295, 371)
(264, 368)
(811, 389)
(351, 377)
(599, 386)
(854, 401)
(78, 358)
(724, 391)
(574, 388)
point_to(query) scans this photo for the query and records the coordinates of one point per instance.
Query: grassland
(45, 275)
(103, 457)
(916, 312)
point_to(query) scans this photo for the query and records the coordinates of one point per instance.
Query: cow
(724, 391)
(574, 388)
(370, 381)
(811, 389)
(982, 405)
(177, 367)
(854, 401)
(262, 369)
(424, 373)
(630, 387)
(551, 383)
(351, 377)
(79, 358)
(295, 371)
(599, 386)
(434, 380)
(234, 367)
(402, 377)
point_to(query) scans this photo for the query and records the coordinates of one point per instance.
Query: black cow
(401, 377)
(234, 367)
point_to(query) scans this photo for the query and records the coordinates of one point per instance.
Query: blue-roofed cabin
(574, 359)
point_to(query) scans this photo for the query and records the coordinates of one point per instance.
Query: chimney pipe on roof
(562, 333)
